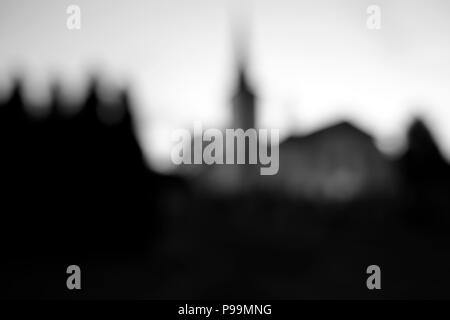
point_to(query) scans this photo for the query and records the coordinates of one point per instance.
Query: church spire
(243, 99)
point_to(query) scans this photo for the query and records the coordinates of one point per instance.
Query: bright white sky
(312, 61)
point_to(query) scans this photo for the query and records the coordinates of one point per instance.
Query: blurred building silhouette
(235, 178)
(337, 163)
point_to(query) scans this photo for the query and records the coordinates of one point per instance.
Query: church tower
(243, 100)
(244, 105)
